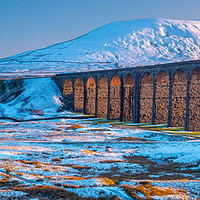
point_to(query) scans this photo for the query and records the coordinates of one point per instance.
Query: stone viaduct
(158, 94)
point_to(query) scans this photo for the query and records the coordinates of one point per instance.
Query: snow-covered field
(85, 158)
(128, 43)
(96, 160)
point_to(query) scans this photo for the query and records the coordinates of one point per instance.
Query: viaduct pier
(158, 94)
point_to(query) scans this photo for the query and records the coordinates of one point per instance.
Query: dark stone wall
(179, 91)
(78, 95)
(194, 101)
(128, 95)
(162, 98)
(102, 99)
(115, 97)
(90, 96)
(146, 98)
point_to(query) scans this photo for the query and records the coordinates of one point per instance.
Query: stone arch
(68, 95)
(129, 94)
(102, 99)
(90, 96)
(115, 97)
(67, 88)
(162, 98)
(179, 91)
(146, 98)
(194, 100)
(78, 95)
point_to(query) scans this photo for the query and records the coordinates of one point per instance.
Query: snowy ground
(83, 158)
(80, 157)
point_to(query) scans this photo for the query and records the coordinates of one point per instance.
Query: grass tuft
(150, 191)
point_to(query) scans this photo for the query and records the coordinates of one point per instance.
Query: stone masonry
(194, 106)
(128, 101)
(115, 97)
(102, 100)
(90, 96)
(146, 98)
(162, 98)
(78, 95)
(179, 91)
(161, 94)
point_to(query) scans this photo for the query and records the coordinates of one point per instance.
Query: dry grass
(75, 126)
(6, 181)
(53, 192)
(8, 167)
(131, 139)
(111, 161)
(75, 178)
(70, 186)
(150, 191)
(94, 130)
(36, 163)
(107, 182)
(37, 112)
(79, 167)
(56, 159)
(88, 152)
(48, 192)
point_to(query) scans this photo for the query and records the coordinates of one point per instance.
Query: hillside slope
(129, 43)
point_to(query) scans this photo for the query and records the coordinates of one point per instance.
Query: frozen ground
(79, 157)
(128, 43)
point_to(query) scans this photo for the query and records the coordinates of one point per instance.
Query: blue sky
(32, 24)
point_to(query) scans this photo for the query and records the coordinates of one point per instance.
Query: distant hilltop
(128, 43)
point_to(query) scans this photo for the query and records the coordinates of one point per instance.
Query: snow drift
(38, 96)
(128, 43)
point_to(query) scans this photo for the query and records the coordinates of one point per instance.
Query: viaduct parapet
(158, 94)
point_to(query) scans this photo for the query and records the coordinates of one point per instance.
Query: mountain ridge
(135, 42)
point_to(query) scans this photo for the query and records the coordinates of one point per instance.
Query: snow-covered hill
(36, 96)
(129, 43)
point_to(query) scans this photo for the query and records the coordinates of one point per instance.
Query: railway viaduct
(158, 94)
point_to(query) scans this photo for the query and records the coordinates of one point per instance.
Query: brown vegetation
(56, 159)
(53, 192)
(75, 126)
(150, 191)
(49, 192)
(131, 139)
(4, 182)
(37, 112)
(70, 186)
(111, 161)
(79, 167)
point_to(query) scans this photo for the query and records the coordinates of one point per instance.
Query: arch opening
(162, 98)
(90, 96)
(102, 99)
(146, 98)
(128, 95)
(115, 97)
(194, 100)
(179, 90)
(78, 95)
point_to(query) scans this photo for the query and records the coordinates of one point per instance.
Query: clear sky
(32, 24)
